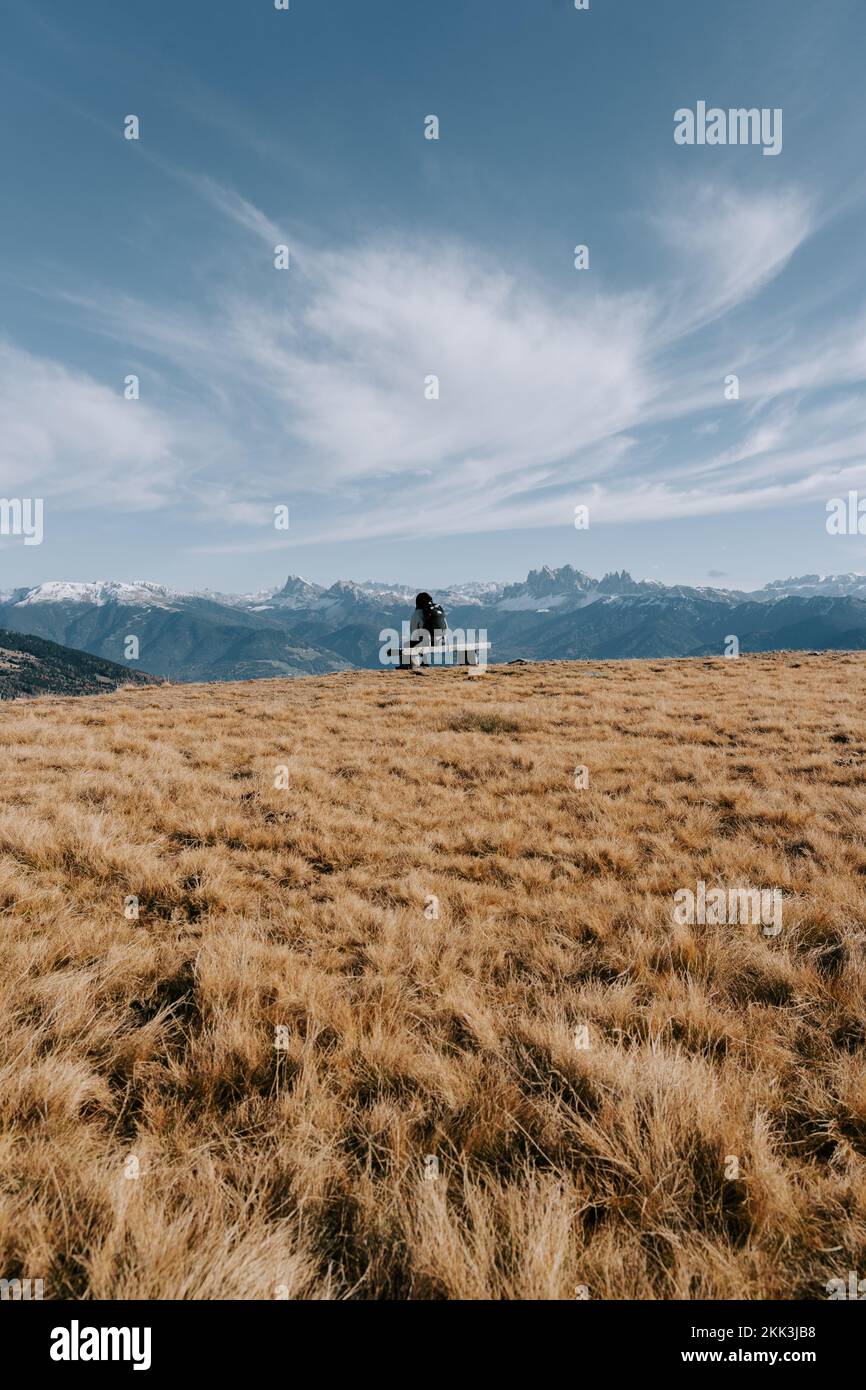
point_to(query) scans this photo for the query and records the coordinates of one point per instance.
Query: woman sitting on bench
(430, 622)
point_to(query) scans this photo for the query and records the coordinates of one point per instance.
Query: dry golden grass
(300, 1171)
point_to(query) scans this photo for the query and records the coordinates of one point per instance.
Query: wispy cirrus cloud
(729, 244)
(317, 392)
(64, 435)
(230, 203)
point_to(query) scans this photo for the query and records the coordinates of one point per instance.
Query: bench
(440, 651)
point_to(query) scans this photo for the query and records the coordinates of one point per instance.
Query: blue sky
(412, 257)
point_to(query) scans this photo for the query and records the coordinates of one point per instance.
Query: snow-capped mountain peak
(851, 585)
(546, 589)
(97, 592)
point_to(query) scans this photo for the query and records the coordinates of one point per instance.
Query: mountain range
(304, 628)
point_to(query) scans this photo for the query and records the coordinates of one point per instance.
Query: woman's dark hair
(423, 601)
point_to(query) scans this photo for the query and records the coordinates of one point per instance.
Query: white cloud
(314, 388)
(728, 245)
(66, 437)
(524, 383)
(233, 206)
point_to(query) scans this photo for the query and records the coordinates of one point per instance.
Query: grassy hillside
(303, 916)
(34, 666)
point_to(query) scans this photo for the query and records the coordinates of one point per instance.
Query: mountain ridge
(305, 628)
(545, 582)
(35, 666)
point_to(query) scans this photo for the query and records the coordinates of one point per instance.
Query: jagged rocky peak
(346, 589)
(621, 582)
(816, 585)
(545, 581)
(296, 587)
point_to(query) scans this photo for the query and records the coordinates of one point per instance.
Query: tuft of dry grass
(377, 923)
